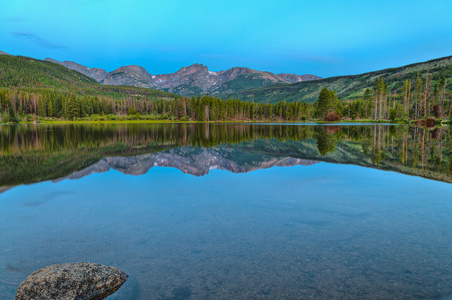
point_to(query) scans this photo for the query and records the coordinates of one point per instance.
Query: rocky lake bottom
(318, 231)
(232, 211)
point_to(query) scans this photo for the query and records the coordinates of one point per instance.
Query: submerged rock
(71, 281)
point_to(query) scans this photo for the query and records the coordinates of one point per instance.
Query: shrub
(393, 114)
(5, 117)
(332, 116)
(303, 118)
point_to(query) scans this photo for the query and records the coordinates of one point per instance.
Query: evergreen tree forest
(49, 103)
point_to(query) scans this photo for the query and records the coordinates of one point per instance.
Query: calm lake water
(232, 211)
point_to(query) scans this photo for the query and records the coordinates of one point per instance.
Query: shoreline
(57, 122)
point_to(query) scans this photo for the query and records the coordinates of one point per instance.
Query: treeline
(379, 104)
(49, 103)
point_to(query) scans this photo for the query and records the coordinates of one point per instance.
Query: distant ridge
(95, 73)
(188, 81)
(351, 86)
(4, 53)
(292, 78)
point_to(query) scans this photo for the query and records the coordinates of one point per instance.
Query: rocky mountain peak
(130, 75)
(131, 68)
(195, 68)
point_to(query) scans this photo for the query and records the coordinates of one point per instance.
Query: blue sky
(325, 38)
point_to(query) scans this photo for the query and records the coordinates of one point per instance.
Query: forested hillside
(33, 75)
(349, 87)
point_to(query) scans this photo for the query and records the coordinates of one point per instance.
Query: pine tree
(74, 108)
(406, 95)
(376, 89)
(426, 94)
(50, 108)
(322, 104)
(418, 90)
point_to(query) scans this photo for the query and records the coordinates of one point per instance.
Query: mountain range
(236, 83)
(188, 81)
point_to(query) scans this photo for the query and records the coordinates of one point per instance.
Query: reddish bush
(332, 116)
(436, 110)
(332, 129)
(435, 133)
(430, 122)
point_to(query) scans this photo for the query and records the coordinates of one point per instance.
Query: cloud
(37, 40)
(16, 19)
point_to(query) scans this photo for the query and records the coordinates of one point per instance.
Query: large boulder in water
(71, 281)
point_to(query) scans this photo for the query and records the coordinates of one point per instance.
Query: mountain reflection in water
(34, 153)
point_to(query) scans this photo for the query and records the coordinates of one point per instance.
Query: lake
(232, 211)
